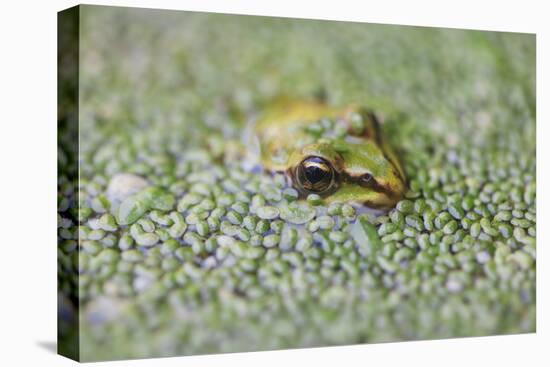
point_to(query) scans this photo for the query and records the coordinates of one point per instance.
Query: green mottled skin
(284, 143)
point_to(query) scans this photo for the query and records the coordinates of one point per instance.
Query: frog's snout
(391, 191)
(398, 186)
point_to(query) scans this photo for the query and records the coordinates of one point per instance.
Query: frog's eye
(315, 174)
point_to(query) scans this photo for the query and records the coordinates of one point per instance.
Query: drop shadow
(50, 346)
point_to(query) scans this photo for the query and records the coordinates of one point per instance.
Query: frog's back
(281, 128)
(285, 112)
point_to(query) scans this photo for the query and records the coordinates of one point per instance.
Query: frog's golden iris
(314, 174)
(357, 166)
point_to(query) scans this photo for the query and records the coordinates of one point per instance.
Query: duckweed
(297, 212)
(268, 212)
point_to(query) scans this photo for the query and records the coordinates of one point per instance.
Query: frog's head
(363, 171)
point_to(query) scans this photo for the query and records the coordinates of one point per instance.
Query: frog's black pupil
(315, 174)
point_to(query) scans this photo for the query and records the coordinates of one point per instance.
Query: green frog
(335, 152)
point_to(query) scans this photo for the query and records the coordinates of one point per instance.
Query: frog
(336, 152)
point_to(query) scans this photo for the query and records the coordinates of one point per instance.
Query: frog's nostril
(366, 178)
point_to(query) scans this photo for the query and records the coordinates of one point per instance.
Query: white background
(28, 182)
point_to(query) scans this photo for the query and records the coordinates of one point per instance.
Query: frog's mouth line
(374, 185)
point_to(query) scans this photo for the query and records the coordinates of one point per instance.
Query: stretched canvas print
(232, 183)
